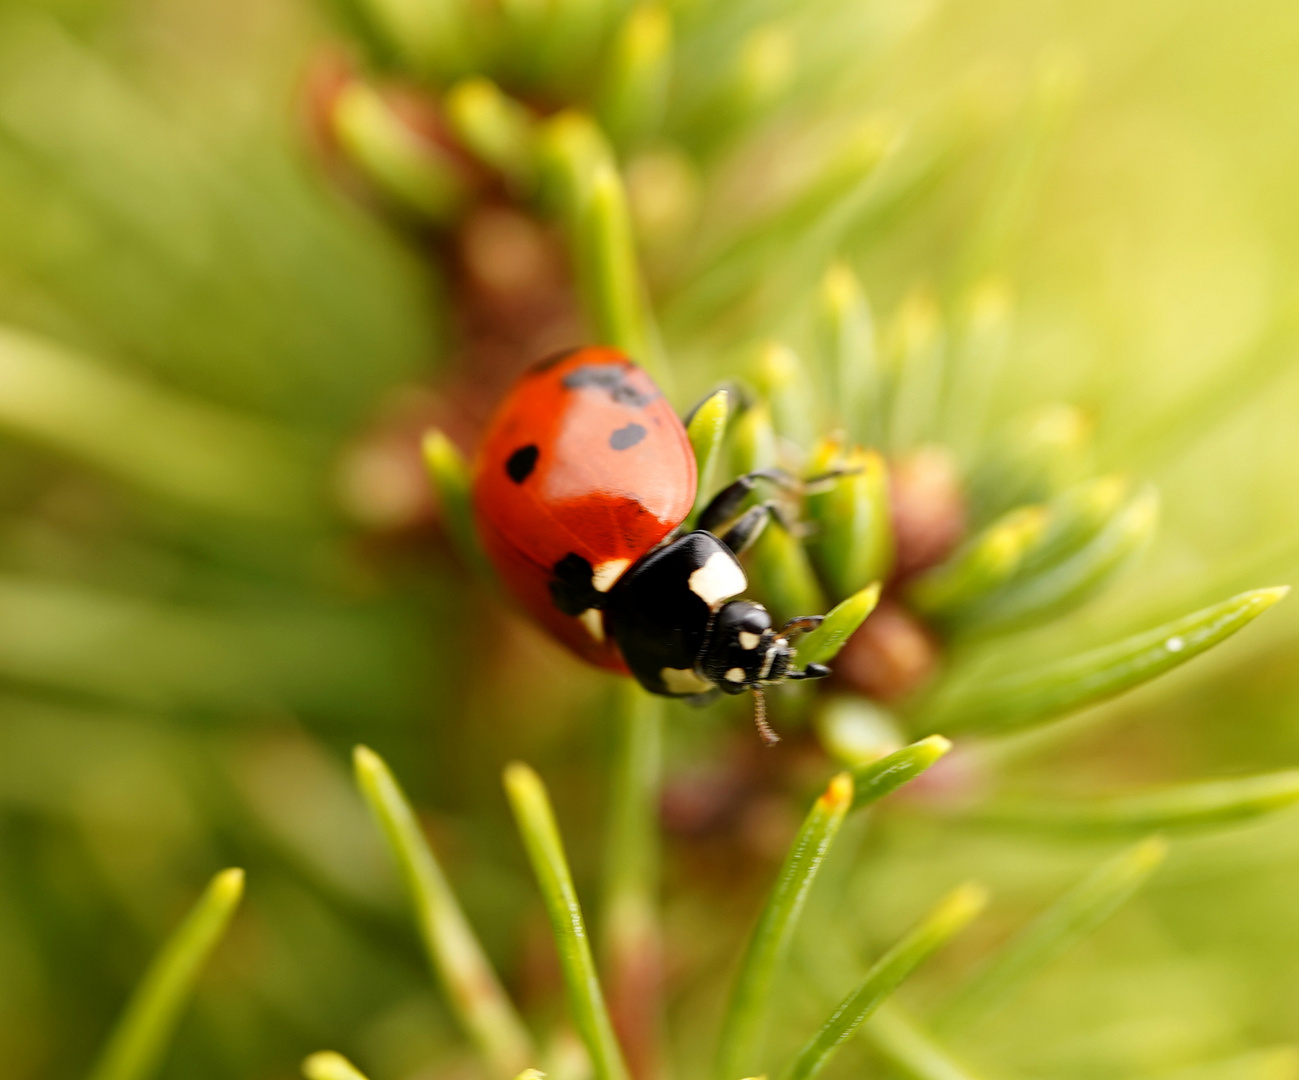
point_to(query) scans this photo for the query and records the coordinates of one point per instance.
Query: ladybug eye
(756, 620)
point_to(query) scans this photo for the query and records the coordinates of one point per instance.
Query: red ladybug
(583, 478)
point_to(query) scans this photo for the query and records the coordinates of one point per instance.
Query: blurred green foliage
(199, 616)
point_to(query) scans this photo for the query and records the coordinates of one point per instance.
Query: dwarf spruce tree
(242, 389)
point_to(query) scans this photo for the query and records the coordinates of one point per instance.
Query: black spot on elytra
(611, 377)
(520, 464)
(626, 437)
(573, 589)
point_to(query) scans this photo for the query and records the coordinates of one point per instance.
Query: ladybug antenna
(760, 717)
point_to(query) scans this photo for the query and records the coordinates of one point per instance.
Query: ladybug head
(743, 650)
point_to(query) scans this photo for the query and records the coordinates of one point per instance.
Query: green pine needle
(635, 87)
(188, 452)
(783, 577)
(984, 564)
(1066, 922)
(786, 385)
(743, 1027)
(499, 130)
(848, 345)
(853, 542)
(945, 921)
(872, 782)
(434, 39)
(588, 190)
(822, 645)
(632, 854)
(1205, 805)
(136, 1046)
(328, 1065)
(411, 170)
(1027, 698)
(707, 432)
(752, 440)
(536, 821)
(611, 274)
(449, 473)
(471, 986)
(1058, 589)
(909, 1048)
(631, 936)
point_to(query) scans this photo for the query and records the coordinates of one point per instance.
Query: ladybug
(582, 482)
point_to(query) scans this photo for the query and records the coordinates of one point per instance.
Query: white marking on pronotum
(718, 579)
(769, 659)
(735, 674)
(683, 681)
(593, 620)
(1174, 644)
(749, 641)
(607, 573)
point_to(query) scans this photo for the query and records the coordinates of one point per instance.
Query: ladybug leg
(801, 625)
(723, 506)
(821, 480)
(573, 586)
(812, 671)
(741, 536)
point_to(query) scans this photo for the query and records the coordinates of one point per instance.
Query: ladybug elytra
(584, 476)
